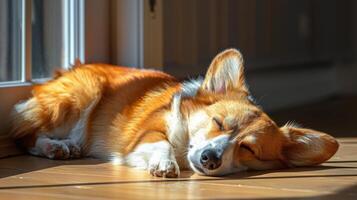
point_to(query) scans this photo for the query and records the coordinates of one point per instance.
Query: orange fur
(131, 107)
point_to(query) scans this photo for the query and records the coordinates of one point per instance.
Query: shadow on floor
(16, 165)
(344, 194)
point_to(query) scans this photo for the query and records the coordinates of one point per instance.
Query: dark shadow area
(336, 116)
(344, 194)
(341, 161)
(253, 174)
(25, 164)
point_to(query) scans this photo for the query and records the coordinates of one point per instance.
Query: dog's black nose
(210, 160)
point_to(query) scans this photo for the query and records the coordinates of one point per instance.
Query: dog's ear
(306, 147)
(226, 73)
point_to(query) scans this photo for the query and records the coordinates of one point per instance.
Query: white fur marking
(142, 154)
(176, 125)
(22, 107)
(47, 147)
(116, 158)
(251, 139)
(198, 122)
(190, 88)
(156, 155)
(40, 145)
(78, 132)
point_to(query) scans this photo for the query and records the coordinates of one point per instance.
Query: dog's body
(148, 119)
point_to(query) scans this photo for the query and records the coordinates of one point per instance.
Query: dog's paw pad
(74, 150)
(57, 150)
(164, 168)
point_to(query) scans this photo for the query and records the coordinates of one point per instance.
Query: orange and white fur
(148, 119)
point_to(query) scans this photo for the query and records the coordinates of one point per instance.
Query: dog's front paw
(60, 149)
(74, 149)
(164, 168)
(56, 150)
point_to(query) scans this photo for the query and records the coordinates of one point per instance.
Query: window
(47, 37)
(10, 40)
(38, 36)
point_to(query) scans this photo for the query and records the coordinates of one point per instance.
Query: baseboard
(8, 147)
(10, 95)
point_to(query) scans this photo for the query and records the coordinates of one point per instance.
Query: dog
(148, 119)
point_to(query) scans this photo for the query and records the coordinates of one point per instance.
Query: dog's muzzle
(209, 157)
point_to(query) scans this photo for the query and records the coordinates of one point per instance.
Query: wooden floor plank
(160, 190)
(27, 177)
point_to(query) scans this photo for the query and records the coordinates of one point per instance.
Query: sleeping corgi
(148, 119)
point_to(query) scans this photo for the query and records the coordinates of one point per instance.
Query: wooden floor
(26, 177)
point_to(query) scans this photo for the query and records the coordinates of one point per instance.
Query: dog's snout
(210, 160)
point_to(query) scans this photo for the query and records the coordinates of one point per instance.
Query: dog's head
(231, 133)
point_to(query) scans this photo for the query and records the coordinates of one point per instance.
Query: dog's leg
(55, 149)
(162, 162)
(157, 157)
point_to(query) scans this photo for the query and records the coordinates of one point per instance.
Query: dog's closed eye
(248, 148)
(219, 123)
